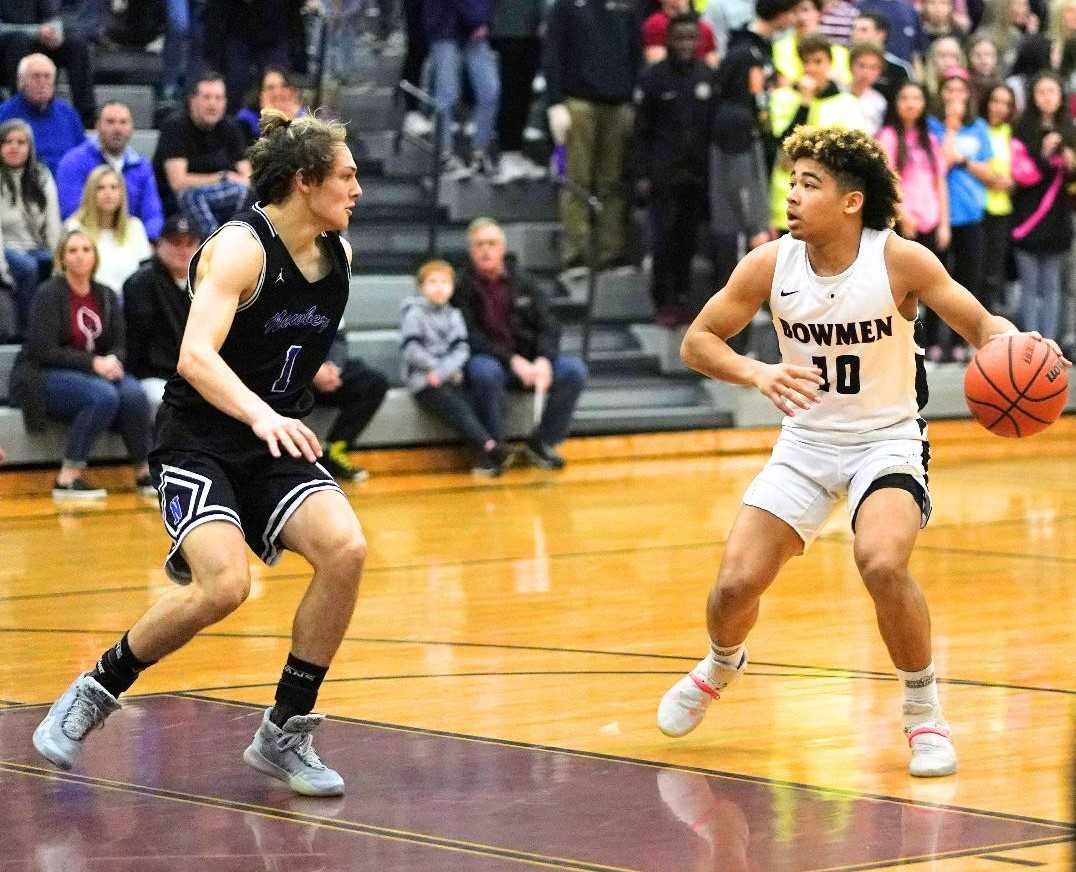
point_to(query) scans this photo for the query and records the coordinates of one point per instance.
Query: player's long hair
(289, 146)
(857, 162)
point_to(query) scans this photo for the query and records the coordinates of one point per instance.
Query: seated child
(433, 339)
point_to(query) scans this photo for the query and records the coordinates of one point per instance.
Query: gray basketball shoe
(287, 753)
(83, 707)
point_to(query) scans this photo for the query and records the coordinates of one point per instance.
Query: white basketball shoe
(684, 705)
(933, 754)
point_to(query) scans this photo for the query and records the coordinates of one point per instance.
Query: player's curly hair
(858, 164)
(287, 146)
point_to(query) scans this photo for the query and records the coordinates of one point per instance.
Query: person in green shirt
(815, 100)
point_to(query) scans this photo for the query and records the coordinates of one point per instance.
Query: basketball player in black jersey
(235, 464)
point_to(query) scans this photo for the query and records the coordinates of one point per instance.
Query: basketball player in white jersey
(843, 290)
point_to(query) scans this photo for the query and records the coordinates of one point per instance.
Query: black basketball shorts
(255, 491)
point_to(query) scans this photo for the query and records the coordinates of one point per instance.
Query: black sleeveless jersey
(281, 334)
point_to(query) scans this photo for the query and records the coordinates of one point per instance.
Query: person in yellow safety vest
(814, 100)
(786, 58)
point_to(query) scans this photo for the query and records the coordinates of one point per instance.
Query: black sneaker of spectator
(543, 455)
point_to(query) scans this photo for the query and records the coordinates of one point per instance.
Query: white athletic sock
(728, 657)
(921, 701)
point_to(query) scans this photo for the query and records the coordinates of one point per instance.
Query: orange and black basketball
(1016, 385)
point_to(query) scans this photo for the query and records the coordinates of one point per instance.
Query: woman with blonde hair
(120, 237)
(72, 369)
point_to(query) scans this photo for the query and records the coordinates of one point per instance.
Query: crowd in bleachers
(669, 108)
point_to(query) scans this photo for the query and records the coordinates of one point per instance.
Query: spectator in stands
(29, 213)
(433, 339)
(771, 18)
(965, 142)
(200, 156)
(868, 61)
(982, 63)
(915, 155)
(939, 19)
(119, 237)
(593, 52)
(72, 370)
(357, 391)
(155, 305)
(418, 47)
(250, 35)
(514, 343)
(872, 28)
(1043, 159)
(277, 91)
(905, 36)
(945, 54)
(739, 176)
(1033, 56)
(29, 27)
(1007, 22)
(673, 114)
(458, 34)
(112, 147)
(56, 125)
(837, 19)
(516, 38)
(998, 108)
(656, 34)
(786, 56)
(724, 18)
(816, 100)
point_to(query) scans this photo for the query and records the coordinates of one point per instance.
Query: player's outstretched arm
(706, 350)
(914, 269)
(228, 272)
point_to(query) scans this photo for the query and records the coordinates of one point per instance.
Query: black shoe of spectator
(487, 465)
(79, 489)
(144, 486)
(542, 455)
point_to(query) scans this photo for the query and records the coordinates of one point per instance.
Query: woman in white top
(29, 214)
(120, 237)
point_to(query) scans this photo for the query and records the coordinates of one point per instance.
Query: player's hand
(290, 434)
(327, 378)
(3, 456)
(760, 238)
(1034, 334)
(543, 374)
(789, 387)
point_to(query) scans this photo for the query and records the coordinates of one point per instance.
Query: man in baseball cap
(156, 302)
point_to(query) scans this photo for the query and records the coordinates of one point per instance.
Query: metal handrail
(594, 209)
(435, 160)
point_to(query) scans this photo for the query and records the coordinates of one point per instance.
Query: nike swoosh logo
(787, 293)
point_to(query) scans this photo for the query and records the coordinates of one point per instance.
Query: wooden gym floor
(493, 704)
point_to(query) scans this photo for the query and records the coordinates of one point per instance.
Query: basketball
(1016, 385)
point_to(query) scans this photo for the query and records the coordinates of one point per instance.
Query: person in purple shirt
(111, 145)
(56, 125)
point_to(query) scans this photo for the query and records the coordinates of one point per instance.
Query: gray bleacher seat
(7, 360)
(139, 98)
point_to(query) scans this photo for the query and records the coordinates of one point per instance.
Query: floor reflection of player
(716, 820)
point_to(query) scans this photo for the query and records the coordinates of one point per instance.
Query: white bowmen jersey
(849, 327)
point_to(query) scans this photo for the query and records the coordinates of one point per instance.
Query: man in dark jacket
(674, 105)
(155, 303)
(593, 51)
(514, 343)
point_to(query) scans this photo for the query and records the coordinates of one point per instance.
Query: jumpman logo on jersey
(280, 276)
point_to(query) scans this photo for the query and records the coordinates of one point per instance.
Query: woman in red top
(72, 369)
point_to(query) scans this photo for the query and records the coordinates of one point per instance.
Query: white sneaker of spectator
(456, 170)
(417, 124)
(514, 166)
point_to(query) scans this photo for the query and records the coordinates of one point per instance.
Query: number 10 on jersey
(846, 370)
